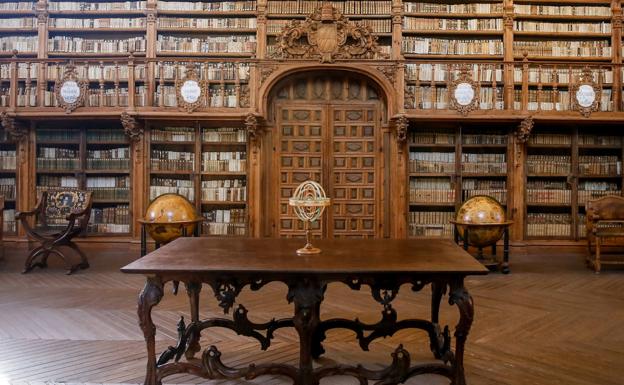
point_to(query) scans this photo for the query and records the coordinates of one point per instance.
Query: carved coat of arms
(327, 35)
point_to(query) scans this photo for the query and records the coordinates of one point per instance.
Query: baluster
(116, 102)
(555, 91)
(525, 82)
(478, 77)
(493, 71)
(418, 90)
(539, 88)
(206, 90)
(235, 68)
(132, 101)
(571, 81)
(176, 78)
(101, 81)
(28, 85)
(601, 90)
(161, 84)
(222, 85)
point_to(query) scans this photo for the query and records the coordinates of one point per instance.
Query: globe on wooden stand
(309, 202)
(481, 222)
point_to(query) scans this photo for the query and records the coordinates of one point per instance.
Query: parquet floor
(549, 322)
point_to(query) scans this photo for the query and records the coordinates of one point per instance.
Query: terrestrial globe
(170, 216)
(484, 218)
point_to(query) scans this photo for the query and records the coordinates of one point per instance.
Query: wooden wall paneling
(261, 25)
(518, 196)
(616, 43)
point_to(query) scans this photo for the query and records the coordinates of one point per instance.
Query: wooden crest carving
(326, 35)
(190, 90)
(388, 71)
(132, 127)
(70, 91)
(15, 129)
(252, 126)
(585, 93)
(463, 93)
(409, 97)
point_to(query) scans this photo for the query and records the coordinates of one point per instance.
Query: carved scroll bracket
(400, 124)
(17, 130)
(523, 132)
(133, 128)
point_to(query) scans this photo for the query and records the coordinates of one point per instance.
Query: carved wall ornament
(327, 35)
(252, 125)
(132, 127)
(508, 21)
(70, 91)
(585, 93)
(463, 93)
(401, 123)
(524, 129)
(15, 129)
(266, 71)
(409, 98)
(388, 71)
(244, 99)
(190, 91)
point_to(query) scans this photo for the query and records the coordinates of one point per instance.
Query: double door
(339, 146)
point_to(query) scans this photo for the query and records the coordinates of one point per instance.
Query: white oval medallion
(70, 91)
(190, 91)
(585, 95)
(464, 94)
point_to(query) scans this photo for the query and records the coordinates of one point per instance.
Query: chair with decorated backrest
(60, 215)
(604, 220)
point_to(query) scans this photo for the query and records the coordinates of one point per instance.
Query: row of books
(111, 153)
(206, 5)
(214, 161)
(591, 48)
(559, 76)
(222, 229)
(599, 165)
(599, 140)
(435, 162)
(224, 134)
(108, 194)
(430, 137)
(96, 5)
(555, 139)
(7, 160)
(79, 23)
(218, 96)
(483, 184)
(17, 6)
(108, 182)
(56, 152)
(206, 71)
(110, 219)
(106, 135)
(431, 196)
(483, 158)
(549, 225)
(562, 10)
(431, 223)
(438, 98)
(19, 43)
(541, 26)
(351, 7)
(9, 224)
(557, 100)
(225, 222)
(485, 168)
(484, 139)
(7, 188)
(448, 72)
(105, 72)
(60, 135)
(228, 22)
(96, 97)
(540, 196)
(430, 184)
(225, 190)
(548, 164)
(585, 195)
(480, 8)
(159, 186)
(499, 194)
(108, 164)
(172, 161)
(222, 44)
(21, 22)
(435, 46)
(78, 44)
(45, 182)
(173, 134)
(435, 24)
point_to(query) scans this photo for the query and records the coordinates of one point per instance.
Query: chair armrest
(23, 214)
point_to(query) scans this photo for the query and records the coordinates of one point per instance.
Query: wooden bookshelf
(95, 157)
(210, 171)
(8, 177)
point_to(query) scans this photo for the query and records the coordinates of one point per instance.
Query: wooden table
(227, 266)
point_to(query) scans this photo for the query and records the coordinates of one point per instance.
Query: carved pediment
(327, 35)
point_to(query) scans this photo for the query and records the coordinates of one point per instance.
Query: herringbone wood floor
(549, 322)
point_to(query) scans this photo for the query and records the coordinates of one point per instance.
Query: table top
(277, 255)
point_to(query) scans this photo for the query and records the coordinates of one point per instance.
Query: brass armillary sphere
(309, 202)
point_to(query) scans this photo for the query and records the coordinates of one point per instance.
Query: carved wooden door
(337, 143)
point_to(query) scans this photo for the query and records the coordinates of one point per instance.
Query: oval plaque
(464, 94)
(70, 91)
(585, 95)
(190, 91)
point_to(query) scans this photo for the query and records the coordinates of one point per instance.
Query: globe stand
(308, 249)
(492, 263)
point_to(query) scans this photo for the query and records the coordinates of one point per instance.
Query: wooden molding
(327, 35)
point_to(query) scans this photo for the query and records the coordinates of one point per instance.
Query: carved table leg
(459, 296)
(437, 291)
(150, 296)
(193, 289)
(307, 296)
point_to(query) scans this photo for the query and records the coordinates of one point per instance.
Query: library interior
(466, 152)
